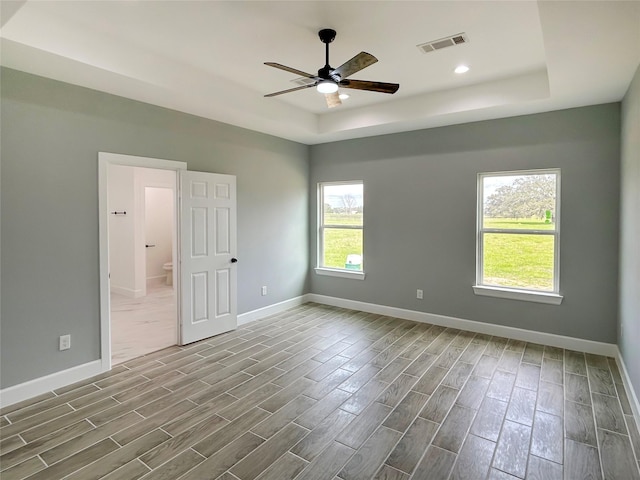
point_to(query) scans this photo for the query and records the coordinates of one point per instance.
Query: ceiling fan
(329, 79)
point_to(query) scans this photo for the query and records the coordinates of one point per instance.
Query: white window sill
(524, 295)
(330, 272)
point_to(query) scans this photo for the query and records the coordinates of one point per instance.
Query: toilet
(168, 267)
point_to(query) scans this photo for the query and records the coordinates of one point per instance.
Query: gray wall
(51, 135)
(420, 193)
(629, 326)
(420, 213)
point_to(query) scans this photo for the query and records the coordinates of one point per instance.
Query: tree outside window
(518, 230)
(340, 232)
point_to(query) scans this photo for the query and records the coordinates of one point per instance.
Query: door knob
(149, 246)
(234, 260)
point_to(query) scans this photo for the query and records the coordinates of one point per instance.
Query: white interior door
(207, 249)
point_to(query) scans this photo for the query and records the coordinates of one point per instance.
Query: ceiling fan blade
(333, 99)
(291, 70)
(357, 63)
(290, 90)
(381, 87)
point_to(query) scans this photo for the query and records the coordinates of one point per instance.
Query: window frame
(334, 271)
(541, 296)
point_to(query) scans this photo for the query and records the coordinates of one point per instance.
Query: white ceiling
(207, 57)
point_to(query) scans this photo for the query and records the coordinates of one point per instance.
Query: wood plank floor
(326, 393)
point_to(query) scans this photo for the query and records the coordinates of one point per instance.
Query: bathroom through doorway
(142, 249)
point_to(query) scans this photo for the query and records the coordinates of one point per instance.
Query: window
(340, 229)
(518, 235)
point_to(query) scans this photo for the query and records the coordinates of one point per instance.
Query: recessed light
(343, 96)
(461, 69)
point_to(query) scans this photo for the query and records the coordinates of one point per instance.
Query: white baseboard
(127, 292)
(628, 386)
(269, 310)
(561, 341)
(156, 281)
(37, 386)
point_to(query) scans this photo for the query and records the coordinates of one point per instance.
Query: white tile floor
(143, 325)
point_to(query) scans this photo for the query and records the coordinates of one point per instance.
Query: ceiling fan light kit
(327, 86)
(329, 79)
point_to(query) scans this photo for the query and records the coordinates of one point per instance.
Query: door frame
(104, 160)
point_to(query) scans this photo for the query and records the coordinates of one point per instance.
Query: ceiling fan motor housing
(326, 73)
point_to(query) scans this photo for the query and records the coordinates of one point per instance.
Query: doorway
(142, 239)
(204, 270)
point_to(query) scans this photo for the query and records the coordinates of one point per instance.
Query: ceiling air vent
(441, 43)
(303, 81)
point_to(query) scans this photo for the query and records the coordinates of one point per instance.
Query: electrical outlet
(65, 342)
(264, 290)
(419, 294)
